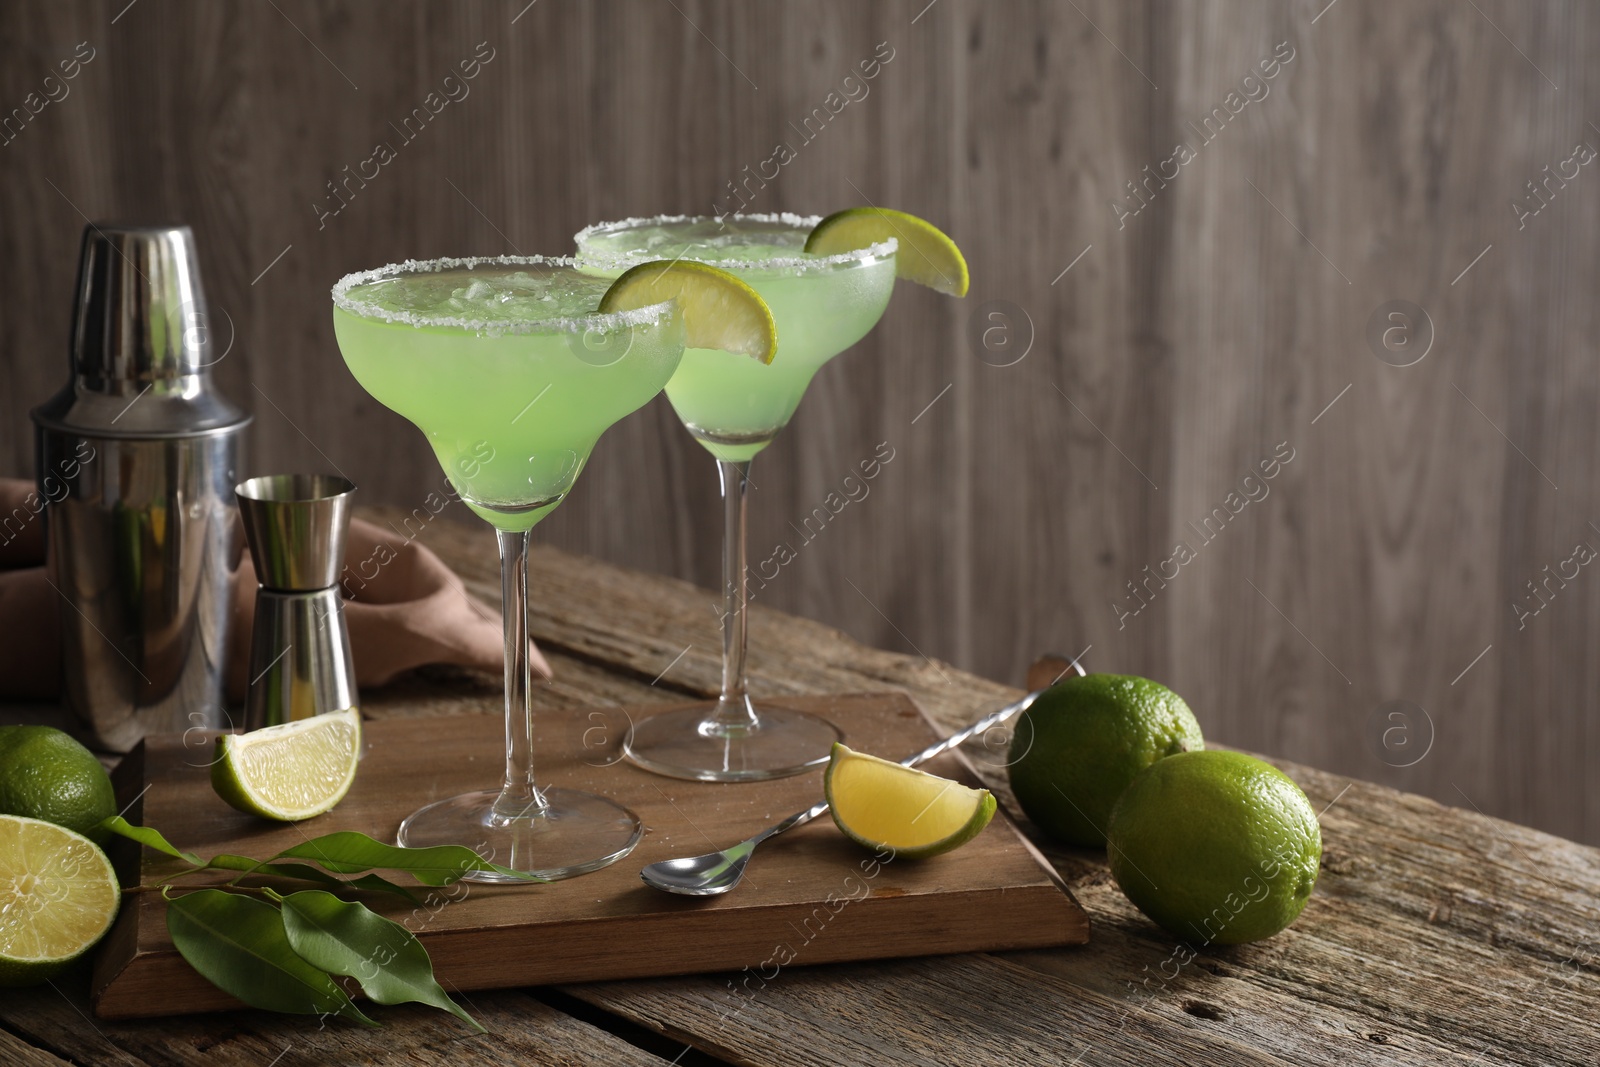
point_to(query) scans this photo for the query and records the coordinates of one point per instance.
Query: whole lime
(1216, 847)
(1078, 746)
(45, 774)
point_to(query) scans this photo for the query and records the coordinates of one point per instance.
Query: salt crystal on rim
(598, 322)
(801, 264)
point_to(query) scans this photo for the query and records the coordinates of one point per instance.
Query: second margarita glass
(735, 406)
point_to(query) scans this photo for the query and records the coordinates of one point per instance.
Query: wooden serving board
(809, 897)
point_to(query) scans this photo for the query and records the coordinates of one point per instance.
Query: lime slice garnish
(884, 805)
(58, 897)
(719, 311)
(926, 254)
(289, 772)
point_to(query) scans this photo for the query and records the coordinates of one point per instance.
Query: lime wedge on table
(884, 805)
(289, 772)
(58, 896)
(925, 256)
(719, 311)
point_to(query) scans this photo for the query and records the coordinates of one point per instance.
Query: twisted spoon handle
(988, 722)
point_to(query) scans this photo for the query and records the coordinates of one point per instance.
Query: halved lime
(58, 897)
(926, 254)
(884, 805)
(289, 772)
(719, 311)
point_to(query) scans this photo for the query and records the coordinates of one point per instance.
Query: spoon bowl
(701, 876)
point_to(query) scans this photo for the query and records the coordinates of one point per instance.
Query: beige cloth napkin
(414, 612)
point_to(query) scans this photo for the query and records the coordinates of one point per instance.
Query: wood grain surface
(1113, 377)
(1435, 935)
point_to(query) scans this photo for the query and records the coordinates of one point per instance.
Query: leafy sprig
(282, 951)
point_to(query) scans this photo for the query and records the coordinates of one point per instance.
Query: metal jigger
(300, 662)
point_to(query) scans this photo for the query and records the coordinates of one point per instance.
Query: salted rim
(597, 320)
(612, 260)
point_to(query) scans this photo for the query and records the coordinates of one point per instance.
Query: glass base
(574, 834)
(688, 744)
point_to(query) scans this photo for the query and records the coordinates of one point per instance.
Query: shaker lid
(141, 345)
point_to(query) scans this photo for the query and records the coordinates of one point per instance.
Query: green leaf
(348, 938)
(239, 945)
(371, 883)
(376, 883)
(245, 865)
(249, 868)
(224, 861)
(148, 838)
(346, 852)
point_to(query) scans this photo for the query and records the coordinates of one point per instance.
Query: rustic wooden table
(1435, 935)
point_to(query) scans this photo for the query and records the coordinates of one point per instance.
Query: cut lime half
(886, 806)
(926, 254)
(719, 311)
(58, 897)
(289, 772)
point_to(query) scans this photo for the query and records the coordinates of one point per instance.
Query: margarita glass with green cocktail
(506, 367)
(735, 406)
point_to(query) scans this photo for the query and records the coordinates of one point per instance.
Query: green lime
(45, 774)
(719, 310)
(925, 254)
(1216, 847)
(58, 897)
(916, 815)
(1080, 744)
(292, 771)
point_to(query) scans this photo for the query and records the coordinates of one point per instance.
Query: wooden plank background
(1187, 341)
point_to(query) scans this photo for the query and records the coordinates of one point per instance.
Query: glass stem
(519, 797)
(733, 713)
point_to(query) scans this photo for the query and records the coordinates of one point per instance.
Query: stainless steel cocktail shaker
(138, 456)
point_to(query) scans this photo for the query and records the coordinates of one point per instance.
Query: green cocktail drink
(735, 406)
(507, 370)
(822, 305)
(505, 366)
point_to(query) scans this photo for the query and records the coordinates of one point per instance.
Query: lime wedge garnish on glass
(719, 311)
(289, 772)
(926, 254)
(884, 805)
(58, 896)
